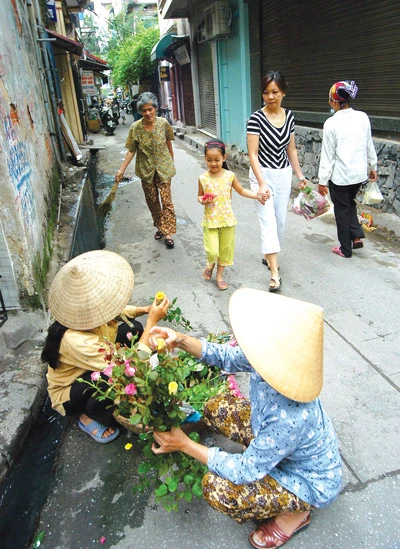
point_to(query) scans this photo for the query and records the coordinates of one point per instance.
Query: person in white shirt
(348, 158)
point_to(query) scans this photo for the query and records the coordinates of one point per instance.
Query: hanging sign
(164, 74)
(51, 9)
(181, 55)
(88, 83)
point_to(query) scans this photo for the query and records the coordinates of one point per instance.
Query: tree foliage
(129, 55)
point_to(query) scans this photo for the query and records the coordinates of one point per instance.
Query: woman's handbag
(372, 194)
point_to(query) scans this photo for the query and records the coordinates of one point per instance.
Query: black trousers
(348, 226)
(82, 400)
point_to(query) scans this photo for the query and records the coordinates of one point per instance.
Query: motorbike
(125, 106)
(107, 120)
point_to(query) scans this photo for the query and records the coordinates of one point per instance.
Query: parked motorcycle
(107, 120)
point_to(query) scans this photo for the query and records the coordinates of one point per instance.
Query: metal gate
(315, 43)
(207, 90)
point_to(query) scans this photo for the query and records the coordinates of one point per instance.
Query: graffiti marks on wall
(20, 172)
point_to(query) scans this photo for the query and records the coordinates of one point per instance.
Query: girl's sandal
(222, 285)
(207, 273)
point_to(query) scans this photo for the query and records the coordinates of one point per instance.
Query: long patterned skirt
(259, 500)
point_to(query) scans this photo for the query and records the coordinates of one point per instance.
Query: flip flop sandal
(357, 243)
(273, 534)
(158, 235)
(207, 273)
(222, 285)
(169, 243)
(336, 250)
(276, 284)
(98, 437)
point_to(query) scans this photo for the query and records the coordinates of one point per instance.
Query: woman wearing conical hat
(291, 462)
(86, 297)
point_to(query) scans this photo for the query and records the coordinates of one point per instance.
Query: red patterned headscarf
(350, 89)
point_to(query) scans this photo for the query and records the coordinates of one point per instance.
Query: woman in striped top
(272, 155)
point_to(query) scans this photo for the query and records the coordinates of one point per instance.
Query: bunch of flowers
(156, 392)
(310, 203)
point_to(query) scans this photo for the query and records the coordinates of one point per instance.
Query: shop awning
(92, 62)
(65, 43)
(164, 47)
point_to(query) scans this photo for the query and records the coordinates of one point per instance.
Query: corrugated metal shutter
(315, 43)
(206, 84)
(8, 285)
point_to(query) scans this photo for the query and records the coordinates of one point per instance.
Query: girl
(215, 193)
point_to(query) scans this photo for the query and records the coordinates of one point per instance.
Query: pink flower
(130, 389)
(108, 370)
(233, 342)
(95, 376)
(130, 371)
(102, 540)
(129, 336)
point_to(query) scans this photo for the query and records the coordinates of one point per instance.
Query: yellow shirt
(78, 354)
(219, 213)
(152, 152)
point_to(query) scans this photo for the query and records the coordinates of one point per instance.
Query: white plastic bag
(310, 203)
(372, 194)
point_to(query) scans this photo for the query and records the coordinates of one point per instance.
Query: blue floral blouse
(293, 442)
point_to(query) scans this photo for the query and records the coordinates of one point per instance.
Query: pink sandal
(222, 285)
(338, 251)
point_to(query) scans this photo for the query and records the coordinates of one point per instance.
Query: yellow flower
(172, 388)
(159, 297)
(160, 344)
(128, 446)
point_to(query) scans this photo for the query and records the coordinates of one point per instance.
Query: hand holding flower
(171, 338)
(159, 309)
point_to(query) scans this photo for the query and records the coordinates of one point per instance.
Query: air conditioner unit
(217, 20)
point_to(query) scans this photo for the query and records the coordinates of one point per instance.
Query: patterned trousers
(159, 201)
(259, 500)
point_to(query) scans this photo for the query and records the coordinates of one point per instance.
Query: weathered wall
(28, 177)
(309, 140)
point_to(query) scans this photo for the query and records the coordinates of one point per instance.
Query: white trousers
(272, 215)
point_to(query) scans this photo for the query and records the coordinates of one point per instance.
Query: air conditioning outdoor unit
(217, 20)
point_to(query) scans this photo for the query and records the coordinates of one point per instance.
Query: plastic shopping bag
(310, 203)
(372, 194)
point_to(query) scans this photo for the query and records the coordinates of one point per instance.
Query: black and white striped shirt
(273, 141)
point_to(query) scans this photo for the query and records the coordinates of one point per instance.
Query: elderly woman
(86, 298)
(348, 158)
(272, 156)
(291, 463)
(151, 138)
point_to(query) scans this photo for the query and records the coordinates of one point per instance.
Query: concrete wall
(309, 140)
(28, 178)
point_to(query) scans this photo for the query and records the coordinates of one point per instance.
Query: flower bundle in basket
(153, 392)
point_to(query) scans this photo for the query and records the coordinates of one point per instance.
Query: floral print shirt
(219, 213)
(152, 153)
(293, 442)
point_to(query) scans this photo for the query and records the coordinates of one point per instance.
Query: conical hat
(91, 289)
(282, 338)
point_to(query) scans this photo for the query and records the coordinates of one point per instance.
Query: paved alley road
(91, 495)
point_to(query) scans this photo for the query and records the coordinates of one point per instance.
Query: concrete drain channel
(24, 491)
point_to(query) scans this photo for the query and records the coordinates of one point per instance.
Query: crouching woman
(291, 463)
(87, 298)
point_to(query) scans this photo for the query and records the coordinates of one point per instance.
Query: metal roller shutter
(315, 43)
(207, 92)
